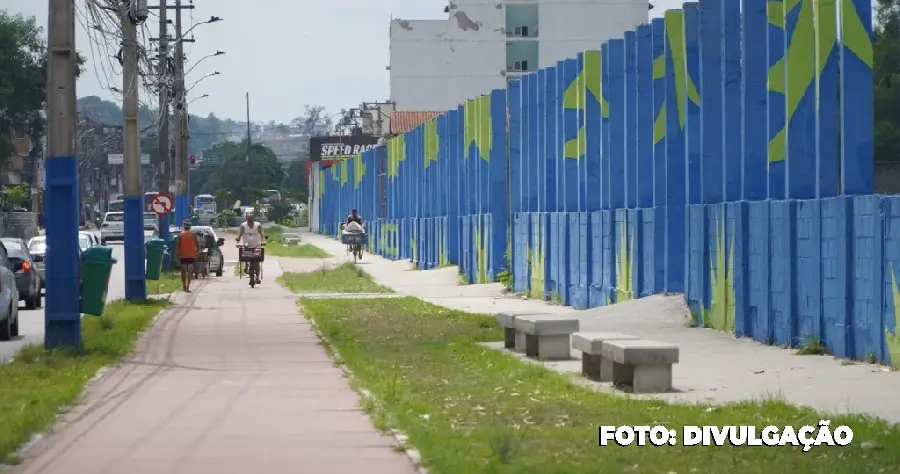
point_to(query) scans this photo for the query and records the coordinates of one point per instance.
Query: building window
(521, 56)
(521, 20)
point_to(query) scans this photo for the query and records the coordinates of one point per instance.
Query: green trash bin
(156, 248)
(96, 267)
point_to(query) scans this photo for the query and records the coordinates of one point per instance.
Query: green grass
(277, 249)
(346, 278)
(169, 282)
(469, 409)
(37, 384)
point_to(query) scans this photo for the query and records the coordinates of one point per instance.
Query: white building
(437, 64)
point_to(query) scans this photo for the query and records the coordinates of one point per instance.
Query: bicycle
(354, 243)
(250, 259)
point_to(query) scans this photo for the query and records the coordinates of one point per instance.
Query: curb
(401, 438)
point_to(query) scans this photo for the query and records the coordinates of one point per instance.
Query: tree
(887, 80)
(313, 122)
(23, 79)
(243, 176)
(295, 183)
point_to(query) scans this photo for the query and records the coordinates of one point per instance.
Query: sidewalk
(230, 380)
(714, 367)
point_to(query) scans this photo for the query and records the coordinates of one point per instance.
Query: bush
(278, 211)
(225, 218)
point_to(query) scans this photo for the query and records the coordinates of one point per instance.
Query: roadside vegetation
(347, 278)
(471, 409)
(38, 384)
(169, 282)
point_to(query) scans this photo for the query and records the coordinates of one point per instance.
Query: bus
(205, 201)
(116, 206)
(148, 200)
(272, 196)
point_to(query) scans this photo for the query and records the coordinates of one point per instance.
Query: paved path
(714, 367)
(232, 380)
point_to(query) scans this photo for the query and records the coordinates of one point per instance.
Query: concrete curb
(402, 439)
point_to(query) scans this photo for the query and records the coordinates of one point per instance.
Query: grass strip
(169, 282)
(347, 278)
(469, 409)
(37, 384)
(277, 249)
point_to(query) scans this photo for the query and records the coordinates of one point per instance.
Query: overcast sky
(286, 53)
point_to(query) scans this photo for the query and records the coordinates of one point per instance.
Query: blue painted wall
(723, 151)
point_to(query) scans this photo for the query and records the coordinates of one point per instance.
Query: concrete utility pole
(181, 198)
(135, 282)
(163, 136)
(62, 316)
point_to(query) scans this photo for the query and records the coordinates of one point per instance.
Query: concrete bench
(511, 338)
(645, 365)
(289, 239)
(593, 365)
(546, 336)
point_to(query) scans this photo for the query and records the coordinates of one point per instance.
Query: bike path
(229, 380)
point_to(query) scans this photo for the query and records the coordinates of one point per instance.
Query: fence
(724, 151)
(23, 225)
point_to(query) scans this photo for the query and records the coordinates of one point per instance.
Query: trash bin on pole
(155, 250)
(96, 267)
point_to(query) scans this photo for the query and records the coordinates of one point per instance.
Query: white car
(113, 226)
(207, 216)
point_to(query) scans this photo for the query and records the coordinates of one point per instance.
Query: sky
(285, 53)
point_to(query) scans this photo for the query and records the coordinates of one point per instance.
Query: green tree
(243, 176)
(887, 80)
(295, 184)
(23, 78)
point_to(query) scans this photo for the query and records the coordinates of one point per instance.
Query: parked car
(28, 279)
(9, 298)
(209, 239)
(113, 226)
(37, 247)
(90, 237)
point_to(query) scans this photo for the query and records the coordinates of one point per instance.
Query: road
(31, 322)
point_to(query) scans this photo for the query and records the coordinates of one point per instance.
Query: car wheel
(6, 327)
(14, 328)
(38, 299)
(102, 241)
(29, 302)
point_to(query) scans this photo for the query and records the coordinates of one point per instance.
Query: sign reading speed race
(338, 147)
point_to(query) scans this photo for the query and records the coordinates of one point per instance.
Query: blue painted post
(731, 99)
(535, 130)
(498, 184)
(754, 161)
(631, 152)
(580, 139)
(856, 92)
(693, 115)
(676, 152)
(800, 96)
(616, 97)
(644, 121)
(62, 317)
(659, 116)
(550, 163)
(606, 129)
(776, 100)
(827, 82)
(571, 148)
(555, 152)
(545, 180)
(514, 101)
(454, 198)
(711, 116)
(594, 112)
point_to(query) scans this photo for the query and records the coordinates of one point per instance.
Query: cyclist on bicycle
(252, 234)
(355, 217)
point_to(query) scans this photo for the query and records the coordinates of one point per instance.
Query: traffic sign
(162, 204)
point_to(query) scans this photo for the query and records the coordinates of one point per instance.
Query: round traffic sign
(162, 204)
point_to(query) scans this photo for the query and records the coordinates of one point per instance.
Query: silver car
(9, 299)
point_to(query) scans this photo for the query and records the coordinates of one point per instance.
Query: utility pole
(163, 138)
(181, 199)
(249, 136)
(135, 283)
(62, 317)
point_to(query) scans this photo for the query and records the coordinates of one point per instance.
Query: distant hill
(204, 131)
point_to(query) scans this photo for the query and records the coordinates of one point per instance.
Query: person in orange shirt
(187, 248)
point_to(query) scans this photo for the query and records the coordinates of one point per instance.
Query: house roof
(403, 121)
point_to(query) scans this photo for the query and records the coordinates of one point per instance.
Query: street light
(201, 80)
(195, 99)
(217, 53)
(212, 19)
